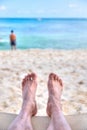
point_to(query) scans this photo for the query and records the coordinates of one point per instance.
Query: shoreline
(70, 65)
(44, 49)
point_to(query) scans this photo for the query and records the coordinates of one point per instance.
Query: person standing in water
(12, 40)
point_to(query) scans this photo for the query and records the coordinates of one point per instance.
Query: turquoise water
(44, 33)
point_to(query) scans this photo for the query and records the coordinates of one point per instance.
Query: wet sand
(70, 65)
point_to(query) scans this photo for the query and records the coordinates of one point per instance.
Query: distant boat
(39, 19)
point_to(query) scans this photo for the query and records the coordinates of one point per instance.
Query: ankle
(55, 111)
(56, 107)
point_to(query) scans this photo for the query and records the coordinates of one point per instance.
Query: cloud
(2, 7)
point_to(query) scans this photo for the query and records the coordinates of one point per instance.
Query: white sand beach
(70, 65)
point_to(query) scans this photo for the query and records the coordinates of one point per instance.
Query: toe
(33, 76)
(61, 83)
(51, 76)
(28, 77)
(55, 77)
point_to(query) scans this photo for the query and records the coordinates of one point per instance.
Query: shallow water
(44, 33)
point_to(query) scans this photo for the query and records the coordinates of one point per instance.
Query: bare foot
(29, 109)
(55, 87)
(29, 85)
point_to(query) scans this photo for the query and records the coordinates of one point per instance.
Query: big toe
(33, 76)
(53, 76)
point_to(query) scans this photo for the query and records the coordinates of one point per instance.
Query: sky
(43, 8)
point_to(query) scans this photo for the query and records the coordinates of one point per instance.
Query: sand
(70, 65)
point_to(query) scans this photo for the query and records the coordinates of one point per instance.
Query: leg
(29, 109)
(58, 121)
(14, 47)
(11, 47)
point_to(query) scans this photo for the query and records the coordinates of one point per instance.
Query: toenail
(31, 79)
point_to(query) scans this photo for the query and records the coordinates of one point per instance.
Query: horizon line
(45, 17)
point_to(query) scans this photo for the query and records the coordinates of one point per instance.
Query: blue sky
(43, 8)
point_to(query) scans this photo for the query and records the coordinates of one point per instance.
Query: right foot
(29, 85)
(55, 87)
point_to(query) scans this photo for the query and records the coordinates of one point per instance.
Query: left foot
(29, 85)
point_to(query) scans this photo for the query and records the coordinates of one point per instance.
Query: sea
(44, 33)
